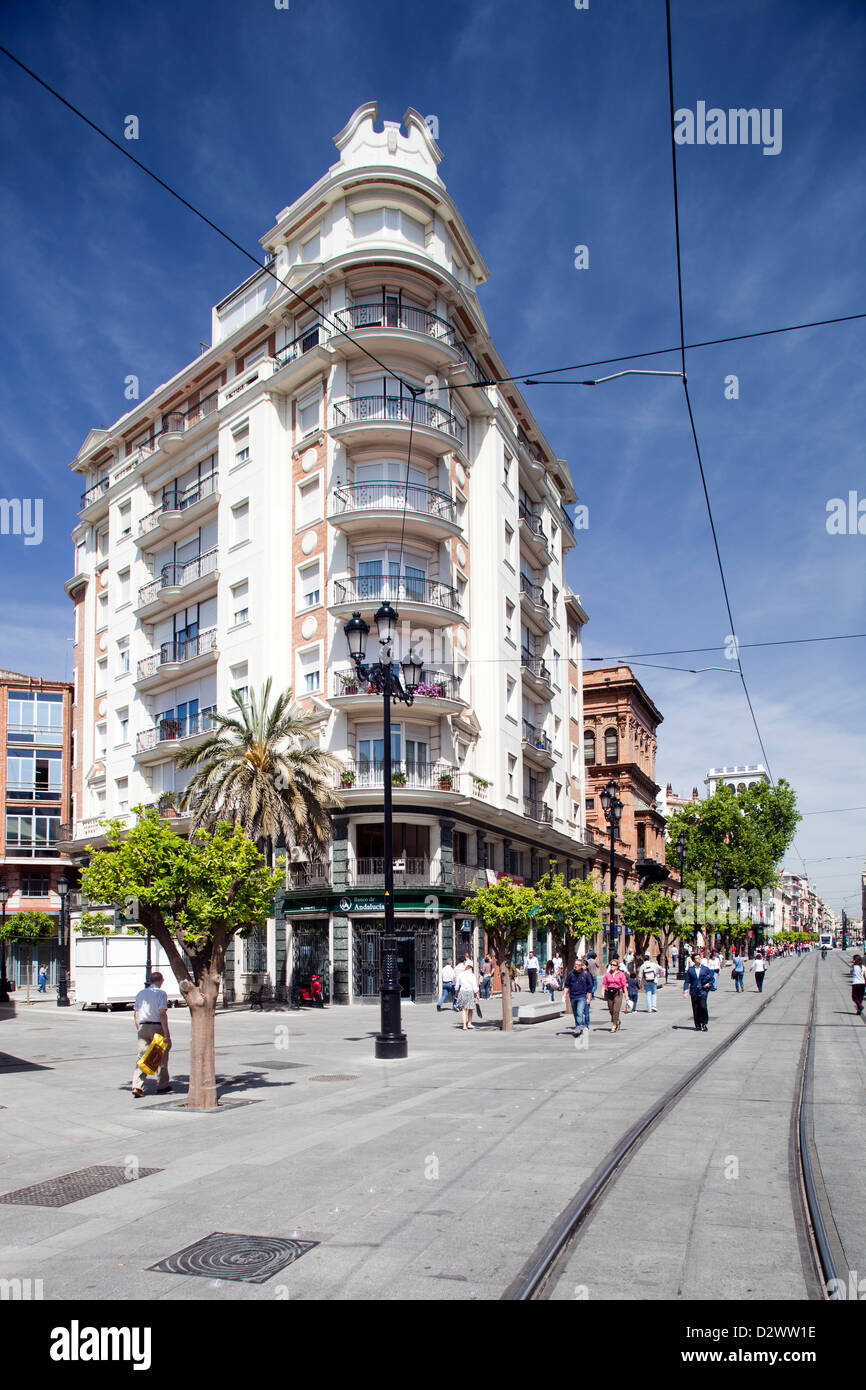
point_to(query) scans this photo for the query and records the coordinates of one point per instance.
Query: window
(101, 612)
(123, 656)
(123, 724)
(309, 502)
(509, 617)
(389, 222)
(556, 676)
(122, 787)
(309, 585)
(509, 547)
(34, 774)
(124, 517)
(240, 522)
(590, 803)
(510, 686)
(241, 445)
(311, 250)
(240, 681)
(35, 885)
(122, 588)
(33, 834)
(240, 603)
(309, 414)
(102, 673)
(309, 666)
(35, 715)
(512, 763)
(588, 746)
(506, 470)
(611, 746)
(641, 837)
(102, 544)
(460, 845)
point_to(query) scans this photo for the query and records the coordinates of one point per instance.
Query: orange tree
(23, 929)
(503, 911)
(194, 896)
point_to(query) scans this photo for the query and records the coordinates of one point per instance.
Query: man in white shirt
(447, 988)
(151, 1017)
(532, 971)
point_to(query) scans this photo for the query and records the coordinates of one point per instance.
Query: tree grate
(336, 1077)
(227, 1255)
(74, 1187)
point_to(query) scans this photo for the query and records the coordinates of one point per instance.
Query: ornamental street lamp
(681, 855)
(735, 890)
(4, 983)
(382, 677)
(717, 873)
(612, 807)
(63, 935)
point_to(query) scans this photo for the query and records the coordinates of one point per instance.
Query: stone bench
(539, 1013)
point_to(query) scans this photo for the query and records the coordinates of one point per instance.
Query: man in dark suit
(698, 982)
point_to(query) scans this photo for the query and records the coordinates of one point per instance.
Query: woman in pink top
(614, 985)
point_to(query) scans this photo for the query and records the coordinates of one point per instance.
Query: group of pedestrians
(464, 988)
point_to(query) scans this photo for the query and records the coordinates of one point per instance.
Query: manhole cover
(333, 1078)
(246, 1259)
(74, 1187)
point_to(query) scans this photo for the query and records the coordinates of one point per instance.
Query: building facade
(336, 447)
(36, 726)
(619, 742)
(737, 778)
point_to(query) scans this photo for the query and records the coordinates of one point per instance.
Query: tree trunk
(505, 980)
(202, 1000)
(29, 968)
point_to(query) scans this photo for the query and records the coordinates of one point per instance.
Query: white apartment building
(737, 778)
(234, 521)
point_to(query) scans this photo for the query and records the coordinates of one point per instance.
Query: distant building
(737, 778)
(35, 724)
(668, 801)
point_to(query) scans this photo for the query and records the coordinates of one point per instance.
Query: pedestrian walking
(151, 1017)
(699, 980)
(592, 967)
(532, 971)
(551, 981)
(447, 987)
(615, 985)
(512, 971)
(858, 983)
(578, 985)
(648, 977)
(759, 967)
(557, 964)
(467, 993)
(715, 964)
(43, 978)
(633, 986)
(738, 966)
(486, 977)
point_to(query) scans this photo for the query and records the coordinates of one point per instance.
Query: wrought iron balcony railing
(535, 594)
(181, 650)
(536, 810)
(533, 521)
(405, 316)
(375, 588)
(310, 338)
(536, 737)
(441, 775)
(310, 875)
(171, 576)
(172, 730)
(175, 500)
(387, 409)
(387, 496)
(535, 665)
(94, 493)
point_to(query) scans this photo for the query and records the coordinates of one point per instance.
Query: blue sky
(554, 127)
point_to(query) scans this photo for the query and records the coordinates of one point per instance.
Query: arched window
(588, 746)
(741, 786)
(611, 746)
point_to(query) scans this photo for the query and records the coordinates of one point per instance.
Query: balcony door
(385, 484)
(383, 576)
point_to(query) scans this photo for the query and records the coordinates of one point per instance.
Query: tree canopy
(747, 831)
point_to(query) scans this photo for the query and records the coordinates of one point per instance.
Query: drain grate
(73, 1187)
(337, 1077)
(245, 1259)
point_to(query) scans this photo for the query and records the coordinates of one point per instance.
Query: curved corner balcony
(435, 694)
(388, 419)
(181, 657)
(537, 745)
(532, 532)
(178, 508)
(153, 745)
(421, 333)
(423, 600)
(176, 582)
(536, 674)
(533, 604)
(356, 507)
(440, 778)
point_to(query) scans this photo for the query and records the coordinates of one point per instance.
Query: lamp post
(612, 807)
(63, 973)
(4, 984)
(382, 676)
(717, 873)
(681, 855)
(735, 887)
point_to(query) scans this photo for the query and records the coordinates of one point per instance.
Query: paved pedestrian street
(431, 1178)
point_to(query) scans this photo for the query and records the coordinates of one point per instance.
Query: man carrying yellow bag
(151, 1018)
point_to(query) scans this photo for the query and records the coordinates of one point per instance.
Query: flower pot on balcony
(445, 784)
(398, 779)
(350, 689)
(347, 779)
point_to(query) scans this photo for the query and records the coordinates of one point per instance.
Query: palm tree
(263, 770)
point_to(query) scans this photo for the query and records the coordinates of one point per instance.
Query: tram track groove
(543, 1265)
